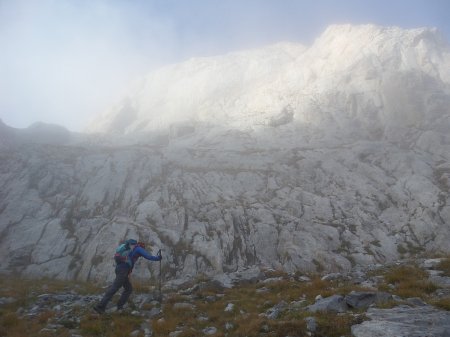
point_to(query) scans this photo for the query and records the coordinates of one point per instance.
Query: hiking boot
(99, 310)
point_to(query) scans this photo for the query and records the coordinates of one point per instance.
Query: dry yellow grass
(443, 303)
(109, 325)
(247, 318)
(444, 266)
(336, 325)
(409, 281)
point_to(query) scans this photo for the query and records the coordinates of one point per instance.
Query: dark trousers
(122, 280)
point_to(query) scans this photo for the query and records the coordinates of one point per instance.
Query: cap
(132, 242)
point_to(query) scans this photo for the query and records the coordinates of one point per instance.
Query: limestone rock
(334, 303)
(361, 300)
(404, 321)
(289, 158)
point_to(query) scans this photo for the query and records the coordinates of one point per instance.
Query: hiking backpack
(121, 255)
(123, 251)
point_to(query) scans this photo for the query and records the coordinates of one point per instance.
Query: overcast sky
(62, 61)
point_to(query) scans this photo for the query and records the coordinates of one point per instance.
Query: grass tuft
(443, 303)
(444, 266)
(409, 281)
(336, 325)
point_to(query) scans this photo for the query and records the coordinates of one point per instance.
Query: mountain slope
(287, 157)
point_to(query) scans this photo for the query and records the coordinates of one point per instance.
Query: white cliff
(293, 157)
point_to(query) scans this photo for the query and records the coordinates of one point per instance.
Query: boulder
(334, 303)
(361, 299)
(404, 321)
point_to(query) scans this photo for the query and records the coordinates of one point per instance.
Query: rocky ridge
(310, 159)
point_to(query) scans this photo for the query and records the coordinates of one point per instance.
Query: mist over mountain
(352, 74)
(291, 157)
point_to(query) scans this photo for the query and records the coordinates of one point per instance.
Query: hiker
(131, 252)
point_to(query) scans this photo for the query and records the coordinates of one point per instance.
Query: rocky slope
(290, 157)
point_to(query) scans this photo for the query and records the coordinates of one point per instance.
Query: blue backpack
(121, 255)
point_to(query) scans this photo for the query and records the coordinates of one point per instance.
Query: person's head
(132, 242)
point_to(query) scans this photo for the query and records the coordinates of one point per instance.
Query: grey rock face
(404, 321)
(320, 180)
(64, 209)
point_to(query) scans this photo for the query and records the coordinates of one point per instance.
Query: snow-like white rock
(366, 73)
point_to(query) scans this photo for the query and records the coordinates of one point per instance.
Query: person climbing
(126, 256)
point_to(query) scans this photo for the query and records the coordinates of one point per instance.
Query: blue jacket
(136, 253)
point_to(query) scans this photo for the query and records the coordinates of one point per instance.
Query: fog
(64, 61)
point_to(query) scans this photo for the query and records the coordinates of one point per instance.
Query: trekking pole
(160, 276)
